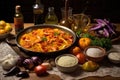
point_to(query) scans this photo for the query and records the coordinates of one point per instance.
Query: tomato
(75, 50)
(84, 42)
(81, 57)
(39, 70)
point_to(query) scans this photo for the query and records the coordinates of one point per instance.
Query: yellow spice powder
(66, 61)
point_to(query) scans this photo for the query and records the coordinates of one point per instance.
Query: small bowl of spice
(114, 57)
(66, 63)
(95, 53)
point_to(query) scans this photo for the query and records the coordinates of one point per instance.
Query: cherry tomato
(76, 50)
(39, 70)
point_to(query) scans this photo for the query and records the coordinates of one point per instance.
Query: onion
(20, 61)
(36, 60)
(28, 64)
(47, 65)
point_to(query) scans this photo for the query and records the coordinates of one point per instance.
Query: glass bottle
(18, 19)
(66, 21)
(66, 17)
(51, 17)
(38, 9)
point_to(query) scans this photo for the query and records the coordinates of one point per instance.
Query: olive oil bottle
(51, 17)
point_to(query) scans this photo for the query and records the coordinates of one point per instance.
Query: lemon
(2, 23)
(90, 66)
(8, 27)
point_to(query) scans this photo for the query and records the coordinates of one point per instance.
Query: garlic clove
(6, 57)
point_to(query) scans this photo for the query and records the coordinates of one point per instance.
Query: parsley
(102, 42)
(56, 33)
(44, 39)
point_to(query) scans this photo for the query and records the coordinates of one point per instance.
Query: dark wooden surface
(54, 77)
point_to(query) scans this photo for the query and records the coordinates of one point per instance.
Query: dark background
(108, 9)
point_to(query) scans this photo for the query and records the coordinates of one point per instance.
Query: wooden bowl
(95, 53)
(4, 35)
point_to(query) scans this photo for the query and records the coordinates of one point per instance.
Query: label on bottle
(37, 11)
(19, 24)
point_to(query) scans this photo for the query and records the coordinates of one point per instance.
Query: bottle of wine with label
(18, 19)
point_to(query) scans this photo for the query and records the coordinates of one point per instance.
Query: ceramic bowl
(114, 57)
(66, 63)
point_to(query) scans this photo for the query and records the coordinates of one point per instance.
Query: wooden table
(33, 76)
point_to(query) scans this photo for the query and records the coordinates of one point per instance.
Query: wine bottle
(18, 19)
(38, 9)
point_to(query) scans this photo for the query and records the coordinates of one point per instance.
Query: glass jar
(66, 17)
(81, 22)
(51, 17)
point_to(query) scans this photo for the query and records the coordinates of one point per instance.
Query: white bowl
(114, 57)
(66, 65)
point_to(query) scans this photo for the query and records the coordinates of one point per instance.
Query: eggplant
(111, 29)
(106, 32)
(100, 21)
(103, 28)
(12, 71)
(107, 23)
(95, 27)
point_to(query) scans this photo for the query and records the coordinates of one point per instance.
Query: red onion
(20, 61)
(28, 63)
(36, 60)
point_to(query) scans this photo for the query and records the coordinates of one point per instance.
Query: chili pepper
(12, 71)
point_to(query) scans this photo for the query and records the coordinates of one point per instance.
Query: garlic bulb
(6, 57)
(8, 62)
